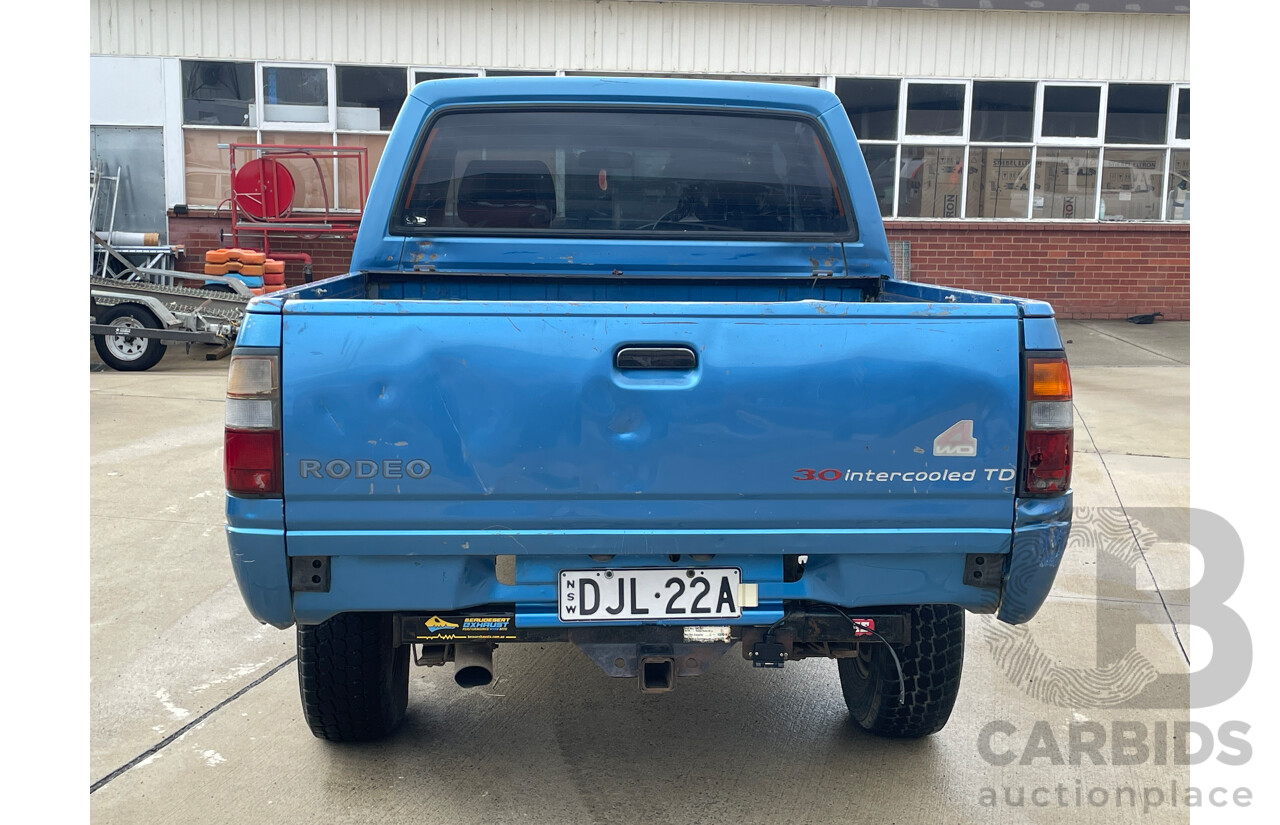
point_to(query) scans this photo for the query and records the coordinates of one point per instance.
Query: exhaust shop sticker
(467, 629)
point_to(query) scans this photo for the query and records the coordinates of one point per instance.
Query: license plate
(646, 594)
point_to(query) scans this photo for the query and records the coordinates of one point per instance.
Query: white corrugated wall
(585, 35)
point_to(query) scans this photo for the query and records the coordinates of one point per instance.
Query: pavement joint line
(165, 397)
(1172, 365)
(219, 523)
(1149, 455)
(1136, 543)
(182, 731)
(1132, 344)
(1137, 455)
(1107, 599)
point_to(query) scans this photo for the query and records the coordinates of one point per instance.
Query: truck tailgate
(509, 426)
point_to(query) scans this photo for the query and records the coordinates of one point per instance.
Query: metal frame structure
(324, 222)
(187, 315)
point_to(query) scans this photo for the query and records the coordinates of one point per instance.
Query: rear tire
(127, 353)
(931, 666)
(354, 681)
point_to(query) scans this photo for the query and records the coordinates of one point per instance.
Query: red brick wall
(1091, 270)
(1085, 270)
(200, 232)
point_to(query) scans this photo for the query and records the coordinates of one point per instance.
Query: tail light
(1048, 428)
(252, 452)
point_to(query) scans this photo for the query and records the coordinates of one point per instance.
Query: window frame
(844, 195)
(913, 139)
(410, 71)
(336, 102)
(1042, 139)
(330, 124)
(1172, 139)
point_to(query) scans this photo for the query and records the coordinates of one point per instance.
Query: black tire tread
(931, 668)
(353, 680)
(155, 347)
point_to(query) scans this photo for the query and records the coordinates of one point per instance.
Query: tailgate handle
(656, 358)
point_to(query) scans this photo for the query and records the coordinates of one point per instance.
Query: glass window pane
(883, 168)
(935, 109)
(1182, 130)
(999, 180)
(312, 178)
(349, 172)
(516, 73)
(872, 106)
(1066, 183)
(208, 168)
(295, 95)
(1132, 184)
(1179, 186)
(1002, 111)
(681, 174)
(1137, 113)
(929, 181)
(217, 93)
(423, 77)
(1071, 111)
(368, 98)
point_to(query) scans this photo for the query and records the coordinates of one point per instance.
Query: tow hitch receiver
(657, 674)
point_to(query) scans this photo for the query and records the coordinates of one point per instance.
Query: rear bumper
(1040, 536)
(406, 571)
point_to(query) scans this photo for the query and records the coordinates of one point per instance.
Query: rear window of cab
(622, 173)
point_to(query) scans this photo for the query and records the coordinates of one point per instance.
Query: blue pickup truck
(622, 363)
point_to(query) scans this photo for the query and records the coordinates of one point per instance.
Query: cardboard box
(1179, 186)
(1131, 185)
(1065, 184)
(941, 182)
(999, 182)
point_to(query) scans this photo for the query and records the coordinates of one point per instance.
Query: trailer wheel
(129, 353)
(353, 678)
(931, 666)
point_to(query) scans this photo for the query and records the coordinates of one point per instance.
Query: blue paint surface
(807, 426)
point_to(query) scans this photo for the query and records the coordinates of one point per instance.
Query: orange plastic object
(1050, 379)
(215, 269)
(273, 287)
(274, 267)
(254, 257)
(273, 278)
(251, 269)
(216, 256)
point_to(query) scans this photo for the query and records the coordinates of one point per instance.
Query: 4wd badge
(957, 440)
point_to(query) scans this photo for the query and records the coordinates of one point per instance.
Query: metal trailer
(137, 314)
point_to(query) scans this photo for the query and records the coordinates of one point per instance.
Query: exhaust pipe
(473, 665)
(657, 675)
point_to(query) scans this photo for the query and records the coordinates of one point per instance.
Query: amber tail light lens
(1048, 427)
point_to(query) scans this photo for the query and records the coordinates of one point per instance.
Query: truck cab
(623, 363)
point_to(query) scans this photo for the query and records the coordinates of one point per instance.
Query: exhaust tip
(473, 676)
(657, 675)
(473, 665)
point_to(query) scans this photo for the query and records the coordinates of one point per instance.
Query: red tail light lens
(1047, 427)
(251, 443)
(251, 461)
(1048, 461)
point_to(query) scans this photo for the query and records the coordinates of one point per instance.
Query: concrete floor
(195, 714)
